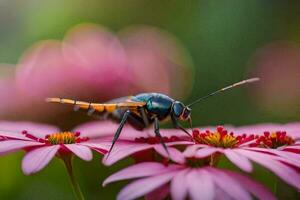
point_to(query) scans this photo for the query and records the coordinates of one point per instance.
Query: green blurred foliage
(221, 37)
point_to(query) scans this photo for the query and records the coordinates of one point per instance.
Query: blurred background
(97, 50)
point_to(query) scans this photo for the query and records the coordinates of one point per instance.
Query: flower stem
(275, 186)
(76, 188)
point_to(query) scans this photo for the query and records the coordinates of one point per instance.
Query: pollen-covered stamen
(65, 138)
(157, 140)
(273, 140)
(220, 138)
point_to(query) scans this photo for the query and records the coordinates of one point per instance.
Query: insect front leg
(117, 134)
(157, 133)
(177, 125)
(144, 116)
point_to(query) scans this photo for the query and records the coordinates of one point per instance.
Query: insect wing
(99, 107)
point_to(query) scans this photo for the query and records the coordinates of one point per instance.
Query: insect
(143, 110)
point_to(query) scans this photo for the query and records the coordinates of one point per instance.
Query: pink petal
(123, 149)
(293, 150)
(130, 133)
(97, 146)
(204, 152)
(200, 185)
(175, 154)
(290, 157)
(143, 186)
(257, 129)
(82, 152)
(97, 129)
(239, 160)
(179, 186)
(191, 150)
(285, 172)
(257, 189)
(229, 185)
(36, 129)
(140, 170)
(159, 194)
(37, 159)
(13, 134)
(295, 146)
(8, 146)
(221, 195)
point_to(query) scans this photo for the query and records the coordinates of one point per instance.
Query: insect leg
(157, 133)
(117, 134)
(177, 125)
(76, 106)
(144, 116)
(91, 110)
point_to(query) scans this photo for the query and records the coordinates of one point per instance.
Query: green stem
(76, 188)
(275, 186)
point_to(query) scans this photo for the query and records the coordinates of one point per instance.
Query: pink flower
(143, 145)
(42, 142)
(93, 64)
(157, 181)
(292, 129)
(242, 149)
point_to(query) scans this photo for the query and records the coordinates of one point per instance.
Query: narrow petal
(293, 150)
(159, 194)
(102, 147)
(294, 146)
(285, 172)
(229, 185)
(143, 186)
(175, 154)
(123, 149)
(97, 129)
(191, 150)
(37, 159)
(239, 160)
(200, 185)
(13, 134)
(257, 189)
(8, 146)
(82, 152)
(139, 171)
(221, 195)
(179, 188)
(204, 152)
(37, 129)
(290, 157)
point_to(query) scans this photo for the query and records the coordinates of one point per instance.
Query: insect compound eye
(186, 113)
(178, 108)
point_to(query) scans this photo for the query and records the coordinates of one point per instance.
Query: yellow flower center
(63, 138)
(220, 138)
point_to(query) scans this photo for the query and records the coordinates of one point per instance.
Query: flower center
(58, 138)
(65, 138)
(62, 138)
(273, 140)
(220, 138)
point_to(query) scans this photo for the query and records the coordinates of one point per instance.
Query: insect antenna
(224, 89)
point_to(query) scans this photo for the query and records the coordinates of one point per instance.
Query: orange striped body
(99, 107)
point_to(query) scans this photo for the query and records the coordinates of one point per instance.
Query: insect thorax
(159, 105)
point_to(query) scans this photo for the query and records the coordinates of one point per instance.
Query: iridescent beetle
(144, 109)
